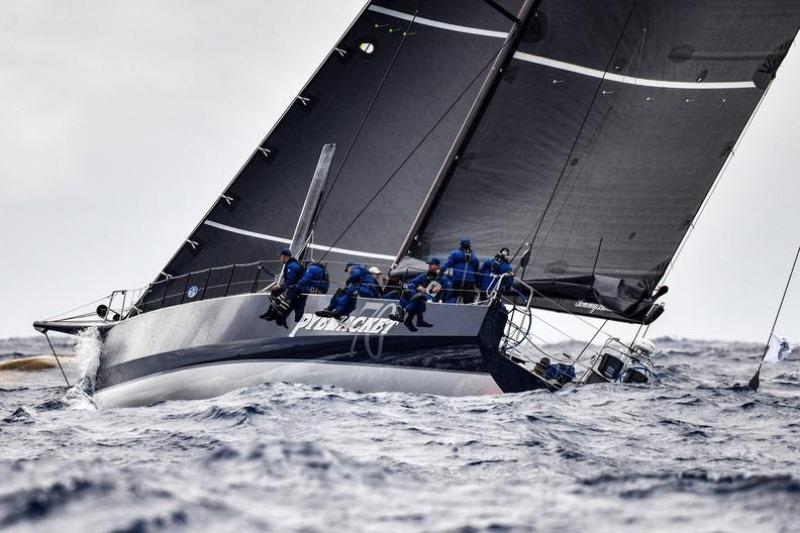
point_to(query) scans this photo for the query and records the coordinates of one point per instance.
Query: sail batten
(438, 24)
(283, 240)
(608, 76)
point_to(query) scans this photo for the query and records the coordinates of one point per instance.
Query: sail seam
(437, 24)
(630, 80)
(282, 240)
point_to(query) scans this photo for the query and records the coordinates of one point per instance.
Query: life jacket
(370, 286)
(317, 280)
(465, 265)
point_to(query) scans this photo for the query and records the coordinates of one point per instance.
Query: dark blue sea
(693, 453)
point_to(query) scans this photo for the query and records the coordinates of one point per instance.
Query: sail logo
(352, 324)
(592, 307)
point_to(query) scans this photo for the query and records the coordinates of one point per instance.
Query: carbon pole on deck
(755, 381)
(316, 193)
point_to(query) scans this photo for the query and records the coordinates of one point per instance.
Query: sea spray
(87, 356)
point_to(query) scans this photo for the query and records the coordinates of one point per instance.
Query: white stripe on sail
(437, 24)
(561, 65)
(265, 237)
(262, 236)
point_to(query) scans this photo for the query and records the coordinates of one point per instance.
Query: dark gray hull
(207, 348)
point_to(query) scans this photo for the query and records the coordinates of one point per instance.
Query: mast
(475, 111)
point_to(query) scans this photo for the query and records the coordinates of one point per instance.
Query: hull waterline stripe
(437, 24)
(561, 65)
(273, 238)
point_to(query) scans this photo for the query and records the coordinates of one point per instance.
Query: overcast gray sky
(123, 121)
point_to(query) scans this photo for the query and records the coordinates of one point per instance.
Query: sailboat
(583, 136)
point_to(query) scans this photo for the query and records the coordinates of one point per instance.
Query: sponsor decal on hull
(376, 324)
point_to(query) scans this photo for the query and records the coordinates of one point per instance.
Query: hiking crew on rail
(462, 280)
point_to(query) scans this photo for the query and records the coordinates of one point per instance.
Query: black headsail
(610, 126)
(392, 96)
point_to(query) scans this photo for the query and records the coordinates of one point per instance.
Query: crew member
(292, 269)
(416, 306)
(495, 270)
(314, 281)
(419, 290)
(359, 283)
(285, 296)
(464, 265)
(447, 294)
(371, 283)
(365, 283)
(376, 273)
(342, 303)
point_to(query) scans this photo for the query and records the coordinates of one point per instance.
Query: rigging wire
(411, 154)
(707, 199)
(588, 344)
(598, 330)
(567, 335)
(534, 233)
(567, 311)
(371, 106)
(538, 349)
(64, 374)
(754, 381)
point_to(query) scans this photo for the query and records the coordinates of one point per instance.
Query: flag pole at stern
(755, 380)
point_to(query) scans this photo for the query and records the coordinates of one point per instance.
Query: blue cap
(349, 265)
(434, 261)
(466, 243)
(286, 252)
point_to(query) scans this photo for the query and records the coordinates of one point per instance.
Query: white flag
(778, 350)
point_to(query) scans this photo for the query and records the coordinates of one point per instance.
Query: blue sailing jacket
(315, 280)
(465, 266)
(292, 273)
(491, 271)
(365, 283)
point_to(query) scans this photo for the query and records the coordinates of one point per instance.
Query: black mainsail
(607, 132)
(391, 95)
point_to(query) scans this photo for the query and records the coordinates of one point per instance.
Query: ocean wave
(688, 454)
(22, 415)
(648, 484)
(36, 503)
